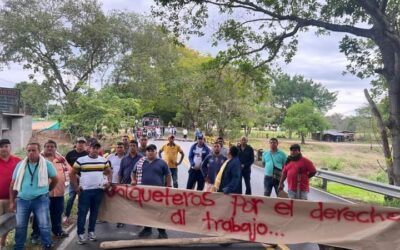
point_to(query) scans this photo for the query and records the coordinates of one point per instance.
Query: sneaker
(145, 233)
(49, 247)
(92, 236)
(162, 235)
(120, 225)
(63, 234)
(35, 241)
(81, 239)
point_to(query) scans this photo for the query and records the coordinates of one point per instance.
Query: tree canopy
(64, 40)
(268, 30)
(303, 118)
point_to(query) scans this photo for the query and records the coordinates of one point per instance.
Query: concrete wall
(20, 132)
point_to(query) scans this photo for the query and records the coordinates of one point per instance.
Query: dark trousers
(195, 176)
(174, 174)
(56, 209)
(70, 202)
(88, 200)
(269, 184)
(246, 177)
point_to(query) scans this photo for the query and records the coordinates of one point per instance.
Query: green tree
(287, 90)
(65, 40)
(303, 118)
(35, 97)
(269, 29)
(97, 112)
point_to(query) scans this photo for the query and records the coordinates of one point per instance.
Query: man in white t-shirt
(197, 154)
(185, 133)
(92, 168)
(115, 160)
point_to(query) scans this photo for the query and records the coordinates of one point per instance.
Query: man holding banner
(91, 189)
(298, 170)
(229, 179)
(151, 171)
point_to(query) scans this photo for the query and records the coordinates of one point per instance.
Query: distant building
(14, 124)
(333, 136)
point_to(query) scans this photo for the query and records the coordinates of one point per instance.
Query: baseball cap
(200, 136)
(4, 141)
(81, 139)
(151, 147)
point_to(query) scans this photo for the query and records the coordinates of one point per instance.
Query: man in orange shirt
(7, 166)
(57, 194)
(171, 151)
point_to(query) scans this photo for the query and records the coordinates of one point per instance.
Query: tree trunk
(221, 132)
(303, 141)
(384, 137)
(394, 125)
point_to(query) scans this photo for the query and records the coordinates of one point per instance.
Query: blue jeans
(174, 174)
(88, 200)
(56, 210)
(70, 202)
(269, 184)
(40, 209)
(293, 195)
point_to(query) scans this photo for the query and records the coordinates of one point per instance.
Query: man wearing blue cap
(197, 154)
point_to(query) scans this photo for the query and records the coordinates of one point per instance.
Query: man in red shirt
(7, 166)
(297, 170)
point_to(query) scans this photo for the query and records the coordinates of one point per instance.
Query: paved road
(109, 232)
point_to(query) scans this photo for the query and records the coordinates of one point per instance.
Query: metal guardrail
(376, 187)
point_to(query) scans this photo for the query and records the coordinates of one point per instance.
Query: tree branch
(380, 19)
(383, 5)
(302, 21)
(258, 20)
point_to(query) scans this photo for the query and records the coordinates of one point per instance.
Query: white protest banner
(254, 218)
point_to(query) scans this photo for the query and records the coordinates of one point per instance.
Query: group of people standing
(36, 184)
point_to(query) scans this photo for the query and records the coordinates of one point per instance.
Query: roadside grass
(355, 194)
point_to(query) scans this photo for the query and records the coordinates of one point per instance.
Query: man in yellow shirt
(171, 151)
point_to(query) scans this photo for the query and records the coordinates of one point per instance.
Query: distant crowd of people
(36, 184)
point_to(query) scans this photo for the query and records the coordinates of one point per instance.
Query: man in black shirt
(246, 157)
(71, 157)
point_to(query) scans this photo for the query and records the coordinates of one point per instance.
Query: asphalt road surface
(109, 231)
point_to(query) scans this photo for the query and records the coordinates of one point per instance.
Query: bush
(333, 163)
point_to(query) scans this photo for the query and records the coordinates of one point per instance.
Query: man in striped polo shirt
(92, 168)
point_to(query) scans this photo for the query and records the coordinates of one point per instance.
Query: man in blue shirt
(151, 171)
(273, 161)
(31, 185)
(212, 163)
(128, 162)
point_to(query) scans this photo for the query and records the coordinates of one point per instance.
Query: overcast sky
(317, 58)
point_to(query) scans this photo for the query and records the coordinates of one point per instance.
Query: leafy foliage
(303, 118)
(96, 112)
(64, 40)
(287, 90)
(35, 97)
